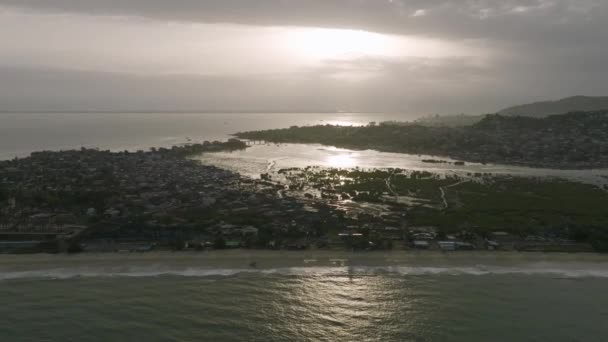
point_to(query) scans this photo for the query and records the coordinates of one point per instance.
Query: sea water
(304, 296)
(23, 133)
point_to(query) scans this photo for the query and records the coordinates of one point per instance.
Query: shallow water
(259, 159)
(305, 297)
(23, 133)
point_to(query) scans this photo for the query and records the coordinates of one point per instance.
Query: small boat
(253, 264)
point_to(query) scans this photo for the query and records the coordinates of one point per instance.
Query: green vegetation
(196, 149)
(569, 104)
(520, 206)
(575, 140)
(450, 120)
(158, 198)
(3, 193)
(480, 203)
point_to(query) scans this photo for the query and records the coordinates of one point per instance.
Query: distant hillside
(563, 106)
(577, 140)
(449, 120)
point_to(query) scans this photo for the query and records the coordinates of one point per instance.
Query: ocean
(23, 133)
(289, 296)
(304, 296)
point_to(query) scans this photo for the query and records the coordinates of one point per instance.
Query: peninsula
(577, 140)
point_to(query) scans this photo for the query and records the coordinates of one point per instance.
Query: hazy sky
(411, 56)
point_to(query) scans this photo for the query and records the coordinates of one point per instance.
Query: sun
(322, 43)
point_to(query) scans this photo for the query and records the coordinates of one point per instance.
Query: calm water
(304, 298)
(290, 296)
(272, 157)
(23, 133)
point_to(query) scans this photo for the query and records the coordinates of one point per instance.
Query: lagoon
(23, 133)
(270, 158)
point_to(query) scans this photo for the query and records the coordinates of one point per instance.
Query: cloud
(522, 24)
(439, 18)
(528, 50)
(419, 13)
(407, 85)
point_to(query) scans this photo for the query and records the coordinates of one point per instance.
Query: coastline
(492, 140)
(259, 159)
(242, 257)
(445, 158)
(163, 198)
(234, 263)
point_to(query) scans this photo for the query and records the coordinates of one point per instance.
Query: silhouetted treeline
(574, 140)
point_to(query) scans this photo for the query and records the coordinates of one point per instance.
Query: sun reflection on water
(348, 306)
(346, 160)
(345, 122)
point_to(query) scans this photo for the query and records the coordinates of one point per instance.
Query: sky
(402, 56)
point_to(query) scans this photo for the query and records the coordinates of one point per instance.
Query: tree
(219, 243)
(179, 244)
(599, 240)
(3, 193)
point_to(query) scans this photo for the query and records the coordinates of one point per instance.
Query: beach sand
(230, 262)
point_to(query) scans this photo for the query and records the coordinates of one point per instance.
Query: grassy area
(524, 205)
(484, 203)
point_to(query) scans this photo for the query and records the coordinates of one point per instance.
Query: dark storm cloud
(550, 20)
(532, 50)
(413, 86)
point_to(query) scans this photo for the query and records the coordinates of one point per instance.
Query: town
(89, 200)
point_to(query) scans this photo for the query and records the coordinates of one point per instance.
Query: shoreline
(489, 141)
(139, 201)
(228, 264)
(303, 255)
(257, 160)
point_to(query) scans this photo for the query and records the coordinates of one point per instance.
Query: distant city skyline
(411, 57)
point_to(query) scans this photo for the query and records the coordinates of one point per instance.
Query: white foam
(598, 271)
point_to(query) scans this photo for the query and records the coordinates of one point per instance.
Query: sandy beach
(218, 263)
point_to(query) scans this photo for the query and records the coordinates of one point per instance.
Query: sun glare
(322, 43)
(341, 161)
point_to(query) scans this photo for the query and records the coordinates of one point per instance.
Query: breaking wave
(601, 271)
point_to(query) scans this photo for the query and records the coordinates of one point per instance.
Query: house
(503, 240)
(423, 233)
(466, 246)
(112, 213)
(492, 245)
(349, 234)
(297, 244)
(233, 244)
(249, 231)
(421, 244)
(447, 245)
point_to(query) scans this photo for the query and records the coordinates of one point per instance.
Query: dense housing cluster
(95, 200)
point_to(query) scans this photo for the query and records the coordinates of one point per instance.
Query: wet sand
(236, 261)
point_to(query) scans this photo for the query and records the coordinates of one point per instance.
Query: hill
(577, 140)
(449, 120)
(563, 106)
